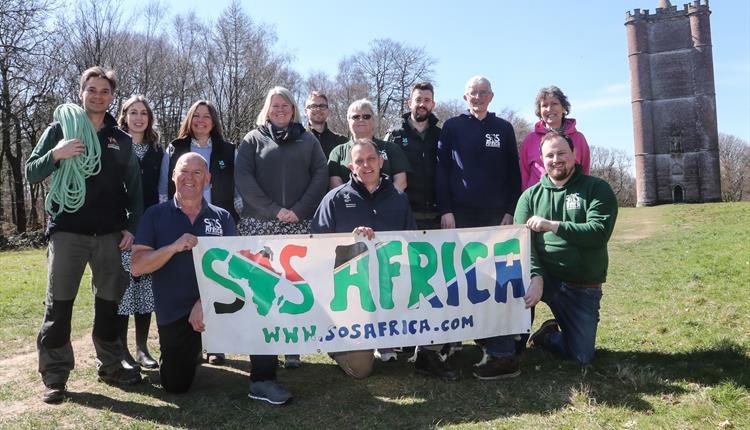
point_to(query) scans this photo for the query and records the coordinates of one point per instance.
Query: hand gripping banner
(334, 292)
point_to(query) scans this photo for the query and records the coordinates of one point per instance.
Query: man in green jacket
(571, 216)
(92, 234)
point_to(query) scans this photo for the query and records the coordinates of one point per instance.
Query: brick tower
(674, 104)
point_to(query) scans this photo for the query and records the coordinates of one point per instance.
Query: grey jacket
(285, 172)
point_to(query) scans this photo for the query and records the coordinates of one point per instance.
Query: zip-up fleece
(289, 172)
(587, 210)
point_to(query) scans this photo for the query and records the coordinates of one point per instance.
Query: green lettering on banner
(388, 270)
(219, 254)
(298, 282)
(508, 247)
(309, 334)
(420, 275)
(290, 336)
(261, 282)
(343, 279)
(271, 335)
(449, 272)
(472, 252)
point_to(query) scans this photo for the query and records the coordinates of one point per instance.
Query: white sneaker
(386, 355)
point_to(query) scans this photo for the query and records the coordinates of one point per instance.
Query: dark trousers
(477, 219)
(181, 352)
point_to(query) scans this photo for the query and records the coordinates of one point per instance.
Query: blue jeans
(576, 310)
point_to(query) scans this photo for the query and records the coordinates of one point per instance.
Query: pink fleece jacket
(532, 168)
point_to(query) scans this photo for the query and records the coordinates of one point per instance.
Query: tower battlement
(669, 12)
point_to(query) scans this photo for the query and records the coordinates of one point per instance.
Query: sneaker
(270, 391)
(498, 368)
(292, 362)
(428, 363)
(386, 355)
(121, 376)
(216, 359)
(547, 327)
(54, 395)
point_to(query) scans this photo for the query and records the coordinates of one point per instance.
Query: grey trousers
(68, 254)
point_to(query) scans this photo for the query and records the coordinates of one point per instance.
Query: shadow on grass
(395, 397)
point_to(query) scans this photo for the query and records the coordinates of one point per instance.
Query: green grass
(673, 351)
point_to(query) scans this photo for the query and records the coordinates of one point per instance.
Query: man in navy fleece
(478, 182)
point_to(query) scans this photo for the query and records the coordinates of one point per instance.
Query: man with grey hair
(317, 112)
(478, 182)
(362, 121)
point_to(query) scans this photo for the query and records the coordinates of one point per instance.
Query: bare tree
(447, 109)
(390, 69)
(614, 166)
(521, 126)
(734, 161)
(23, 83)
(241, 67)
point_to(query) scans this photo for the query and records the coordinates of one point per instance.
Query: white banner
(334, 292)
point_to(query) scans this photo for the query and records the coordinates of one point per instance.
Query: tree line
(175, 60)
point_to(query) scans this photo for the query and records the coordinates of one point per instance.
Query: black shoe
(121, 376)
(547, 327)
(429, 363)
(498, 368)
(55, 394)
(146, 361)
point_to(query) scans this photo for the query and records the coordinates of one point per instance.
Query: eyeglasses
(315, 107)
(357, 117)
(481, 93)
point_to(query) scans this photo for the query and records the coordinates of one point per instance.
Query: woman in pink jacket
(552, 107)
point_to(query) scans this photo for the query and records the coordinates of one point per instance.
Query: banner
(334, 292)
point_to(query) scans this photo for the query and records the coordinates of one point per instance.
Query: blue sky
(520, 46)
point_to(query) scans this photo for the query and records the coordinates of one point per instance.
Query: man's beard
(421, 117)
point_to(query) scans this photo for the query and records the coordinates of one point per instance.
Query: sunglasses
(314, 106)
(364, 116)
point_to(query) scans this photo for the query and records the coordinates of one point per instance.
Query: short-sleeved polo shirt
(175, 284)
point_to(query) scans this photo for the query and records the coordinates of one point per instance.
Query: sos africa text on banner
(335, 292)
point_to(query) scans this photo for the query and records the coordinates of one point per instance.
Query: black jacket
(422, 155)
(113, 200)
(221, 168)
(350, 205)
(150, 169)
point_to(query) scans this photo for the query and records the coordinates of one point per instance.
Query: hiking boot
(429, 363)
(386, 355)
(215, 359)
(55, 394)
(121, 376)
(292, 362)
(547, 327)
(269, 391)
(498, 368)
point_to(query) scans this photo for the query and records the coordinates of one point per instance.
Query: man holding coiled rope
(95, 202)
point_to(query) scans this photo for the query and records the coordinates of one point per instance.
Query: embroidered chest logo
(383, 154)
(112, 143)
(573, 201)
(348, 201)
(404, 141)
(492, 140)
(222, 165)
(213, 227)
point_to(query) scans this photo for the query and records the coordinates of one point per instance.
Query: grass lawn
(673, 352)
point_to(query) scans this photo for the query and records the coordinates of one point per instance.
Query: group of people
(145, 207)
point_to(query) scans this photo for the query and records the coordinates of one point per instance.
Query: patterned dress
(138, 297)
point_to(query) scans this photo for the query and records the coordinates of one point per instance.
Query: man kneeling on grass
(571, 216)
(163, 245)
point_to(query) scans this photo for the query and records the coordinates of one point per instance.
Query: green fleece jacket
(587, 209)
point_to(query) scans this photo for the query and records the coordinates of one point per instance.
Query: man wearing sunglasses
(317, 112)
